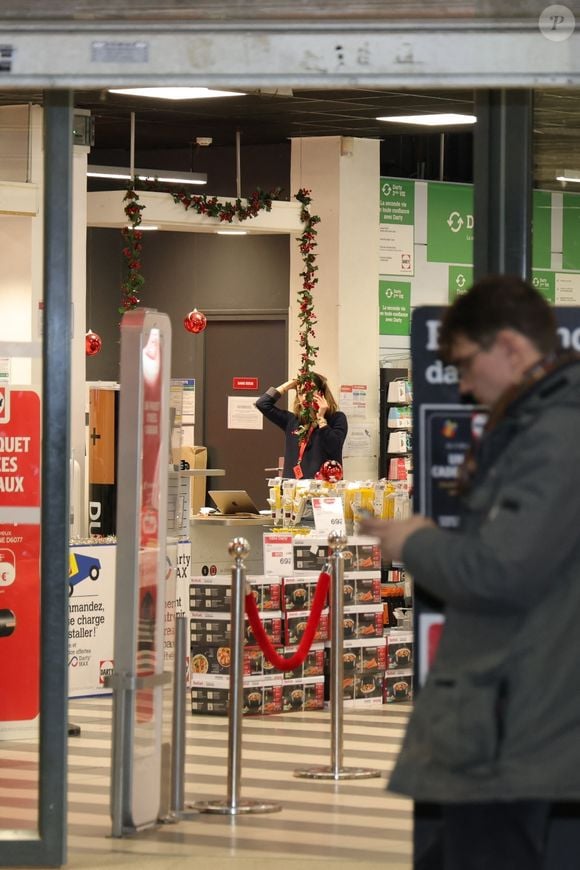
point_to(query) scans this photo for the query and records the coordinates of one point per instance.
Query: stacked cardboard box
(399, 676)
(365, 654)
(210, 625)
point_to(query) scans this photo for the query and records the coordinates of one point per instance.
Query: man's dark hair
(494, 303)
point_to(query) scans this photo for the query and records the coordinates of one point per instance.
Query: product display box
(398, 686)
(362, 690)
(213, 658)
(261, 695)
(295, 626)
(298, 592)
(255, 662)
(215, 593)
(362, 590)
(362, 656)
(303, 694)
(208, 627)
(312, 666)
(363, 621)
(360, 556)
(400, 649)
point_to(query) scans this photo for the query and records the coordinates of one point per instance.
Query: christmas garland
(225, 212)
(306, 316)
(133, 283)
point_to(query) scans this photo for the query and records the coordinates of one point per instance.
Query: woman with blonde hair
(323, 440)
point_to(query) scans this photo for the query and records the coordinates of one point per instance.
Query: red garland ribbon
(264, 642)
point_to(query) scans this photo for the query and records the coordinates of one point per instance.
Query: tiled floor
(320, 823)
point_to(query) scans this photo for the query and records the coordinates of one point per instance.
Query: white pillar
(343, 175)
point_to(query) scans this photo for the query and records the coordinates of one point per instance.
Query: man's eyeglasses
(464, 363)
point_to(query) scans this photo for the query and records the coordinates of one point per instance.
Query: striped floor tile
(320, 823)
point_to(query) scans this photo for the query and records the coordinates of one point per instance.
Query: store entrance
(242, 348)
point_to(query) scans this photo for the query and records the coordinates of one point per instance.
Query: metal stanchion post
(234, 805)
(177, 809)
(337, 542)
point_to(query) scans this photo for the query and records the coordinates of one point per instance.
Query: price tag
(328, 515)
(278, 555)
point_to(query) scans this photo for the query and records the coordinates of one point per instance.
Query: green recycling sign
(449, 223)
(460, 280)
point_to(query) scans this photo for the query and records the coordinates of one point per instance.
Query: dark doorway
(242, 348)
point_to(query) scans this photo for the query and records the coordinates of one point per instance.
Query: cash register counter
(211, 537)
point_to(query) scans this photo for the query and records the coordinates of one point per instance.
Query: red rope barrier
(264, 642)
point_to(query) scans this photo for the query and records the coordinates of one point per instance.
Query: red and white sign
(246, 383)
(278, 554)
(19, 555)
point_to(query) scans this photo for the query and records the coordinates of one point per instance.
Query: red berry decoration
(331, 470)
(93, 343)
(195, 321)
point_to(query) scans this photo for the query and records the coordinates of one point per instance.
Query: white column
(343, 175)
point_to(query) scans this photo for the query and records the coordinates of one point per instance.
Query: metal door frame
(71, 53)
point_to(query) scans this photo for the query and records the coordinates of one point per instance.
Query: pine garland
(225, 212)
(133, 283)
(306, 316)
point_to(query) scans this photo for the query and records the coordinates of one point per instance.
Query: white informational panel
(91, 620)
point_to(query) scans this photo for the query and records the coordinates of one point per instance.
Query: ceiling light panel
(440, 120)
(175, 93)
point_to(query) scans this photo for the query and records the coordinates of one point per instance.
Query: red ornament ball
(195, 321)
(331, 470)
(93, 343)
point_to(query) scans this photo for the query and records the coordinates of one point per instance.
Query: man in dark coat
(494, 738)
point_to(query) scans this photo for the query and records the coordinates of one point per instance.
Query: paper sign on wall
(243, 414)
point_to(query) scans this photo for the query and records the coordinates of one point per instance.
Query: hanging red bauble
(195, 321)
(331, 470)
(93, 343)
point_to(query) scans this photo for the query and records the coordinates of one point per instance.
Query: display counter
(211, 536)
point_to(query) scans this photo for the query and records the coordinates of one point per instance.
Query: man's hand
(394, 533)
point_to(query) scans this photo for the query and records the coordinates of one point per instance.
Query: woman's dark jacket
(499, 716)
(325, 443)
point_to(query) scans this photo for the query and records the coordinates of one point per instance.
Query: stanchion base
(341, 773)
(177, 816)
(242, 807)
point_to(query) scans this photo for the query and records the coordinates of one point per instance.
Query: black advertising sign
(444, 427)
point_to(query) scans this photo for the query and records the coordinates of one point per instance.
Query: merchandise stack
(365, 654)
(210, 625)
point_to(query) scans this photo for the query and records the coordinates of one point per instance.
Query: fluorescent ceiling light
(569, 175)
(142, 227)
(166, 175)
(175, 93)
(445, 120)
(232, 232)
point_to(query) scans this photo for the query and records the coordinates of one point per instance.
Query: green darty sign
(571, 231)
(545, 283)
(449, 223)
(397, 202)
(394, 307)
(460, 280)
(542, 230)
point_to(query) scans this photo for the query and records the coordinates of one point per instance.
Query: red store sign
(19, 554)
(246, 383)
